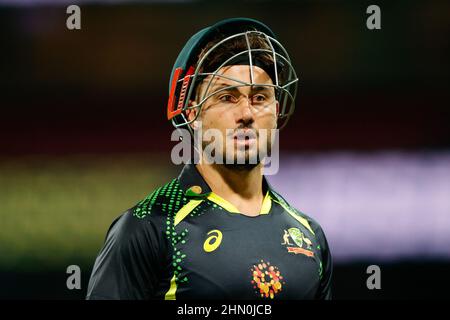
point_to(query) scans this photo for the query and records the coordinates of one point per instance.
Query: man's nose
(245, 113)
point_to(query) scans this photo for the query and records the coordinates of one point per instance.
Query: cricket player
(219, 230)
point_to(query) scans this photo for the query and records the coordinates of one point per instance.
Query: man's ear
(192, 113)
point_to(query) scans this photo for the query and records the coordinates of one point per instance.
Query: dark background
(102, 90)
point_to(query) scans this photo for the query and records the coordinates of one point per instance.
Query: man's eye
(259, 98)
(226, 98)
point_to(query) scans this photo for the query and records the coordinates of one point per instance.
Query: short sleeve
(326, 270)
(129, 265)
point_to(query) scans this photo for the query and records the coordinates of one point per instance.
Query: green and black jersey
(185, 242)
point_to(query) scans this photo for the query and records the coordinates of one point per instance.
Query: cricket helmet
(189, 70)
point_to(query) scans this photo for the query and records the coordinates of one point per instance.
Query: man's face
(239, 113)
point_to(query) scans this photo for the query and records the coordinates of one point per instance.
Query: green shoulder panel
(167, 199)
(294, 212)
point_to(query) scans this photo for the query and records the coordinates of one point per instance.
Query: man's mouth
(245, 138)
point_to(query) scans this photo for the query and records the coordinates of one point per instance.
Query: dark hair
(233, 47)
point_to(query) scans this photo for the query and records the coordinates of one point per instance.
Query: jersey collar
(194, 186)
(192, 182)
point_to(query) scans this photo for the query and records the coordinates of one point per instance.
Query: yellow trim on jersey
(265, 208)
(179, 216)
(297, 217)
(170, 294)
(184, 212)
(222, 202)
(267, 204)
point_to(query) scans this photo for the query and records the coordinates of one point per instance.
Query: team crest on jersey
(300, 243)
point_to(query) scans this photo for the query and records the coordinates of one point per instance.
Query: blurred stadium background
(83, 134)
